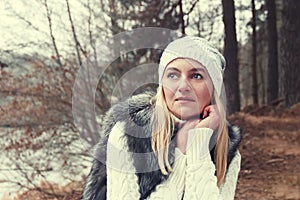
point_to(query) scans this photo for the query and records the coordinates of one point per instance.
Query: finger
(206, 111)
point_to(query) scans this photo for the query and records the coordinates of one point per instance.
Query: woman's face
(187, 88)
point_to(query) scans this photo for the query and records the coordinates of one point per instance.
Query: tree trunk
(254, 74)
(272, 87)
(231, 78)
(181, 14)
(290, 51)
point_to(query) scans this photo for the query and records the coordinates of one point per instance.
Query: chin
(189, 115)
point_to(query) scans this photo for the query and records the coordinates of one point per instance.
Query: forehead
(185, 64)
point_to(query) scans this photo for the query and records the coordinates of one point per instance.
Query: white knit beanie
(197, 49)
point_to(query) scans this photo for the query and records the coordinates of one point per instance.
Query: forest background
(45, 43)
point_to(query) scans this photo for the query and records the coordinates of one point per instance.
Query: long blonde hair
(163, 127)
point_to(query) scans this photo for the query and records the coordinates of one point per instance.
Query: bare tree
(39, 137)
(230, 52)
(254, 47)
(289, 51)
(272, 89)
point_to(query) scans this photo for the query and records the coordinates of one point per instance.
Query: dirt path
(270, 152)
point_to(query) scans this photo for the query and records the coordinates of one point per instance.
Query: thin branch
(92, 42)
(192, 8)
(36, 187)
(51, 34)
(77, 44)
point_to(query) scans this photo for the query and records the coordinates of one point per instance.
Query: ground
(270, 152)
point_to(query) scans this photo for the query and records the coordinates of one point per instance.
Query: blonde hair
(163, 127)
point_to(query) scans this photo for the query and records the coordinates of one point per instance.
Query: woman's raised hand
(211, 118)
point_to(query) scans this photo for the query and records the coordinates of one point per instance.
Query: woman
(175, 144)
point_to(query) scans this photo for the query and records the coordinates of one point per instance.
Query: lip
(184, 99)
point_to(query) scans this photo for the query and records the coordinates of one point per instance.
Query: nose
(184, 85)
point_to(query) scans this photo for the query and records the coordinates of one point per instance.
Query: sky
(14, 30)
(25, 22)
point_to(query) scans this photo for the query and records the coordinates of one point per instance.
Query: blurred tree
(290, 51)
(246, 52)
(272, 88)
(261, 50)
(231, 78)
(38, 136)
(254, 55)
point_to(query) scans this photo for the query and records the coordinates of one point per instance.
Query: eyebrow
(192, 70)
(198, 69)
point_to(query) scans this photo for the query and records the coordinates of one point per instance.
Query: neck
(180, 120)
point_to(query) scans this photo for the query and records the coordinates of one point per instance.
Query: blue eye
(197, 76)
(172, 76)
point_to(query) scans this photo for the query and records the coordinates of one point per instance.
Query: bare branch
(52, 35)
(92, 42)
(77, 44)
(192, 7)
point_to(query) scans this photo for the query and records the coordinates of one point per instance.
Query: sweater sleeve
(201, 183)
(122, 182)
(227, 190)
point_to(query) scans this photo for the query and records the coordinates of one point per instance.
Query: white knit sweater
(193, 173)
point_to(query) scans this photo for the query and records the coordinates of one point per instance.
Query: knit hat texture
(200, 50)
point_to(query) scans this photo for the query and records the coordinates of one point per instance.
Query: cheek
(208, 88)
(204, 94)
(169, 89)
(168, 93)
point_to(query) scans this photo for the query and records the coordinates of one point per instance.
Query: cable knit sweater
(192, 177)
